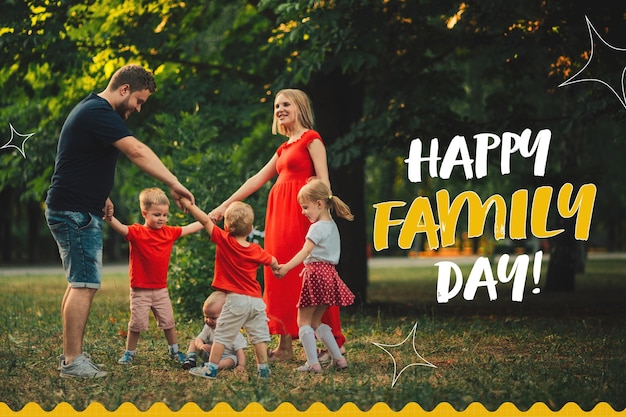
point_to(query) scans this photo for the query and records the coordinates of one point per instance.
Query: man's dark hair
(136, 76)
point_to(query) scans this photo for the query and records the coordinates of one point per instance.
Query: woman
(302, 156)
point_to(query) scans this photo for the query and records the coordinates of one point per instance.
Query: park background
(379, 73)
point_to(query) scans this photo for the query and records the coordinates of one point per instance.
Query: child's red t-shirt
(150, 251)
(236, 266)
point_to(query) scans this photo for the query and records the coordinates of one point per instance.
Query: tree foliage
(380, 74)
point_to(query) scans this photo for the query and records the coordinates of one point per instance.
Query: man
(91, 139)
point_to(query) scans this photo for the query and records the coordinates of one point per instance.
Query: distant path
(402, 262)
(376, 262)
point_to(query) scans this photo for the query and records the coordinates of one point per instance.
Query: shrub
(204, 165)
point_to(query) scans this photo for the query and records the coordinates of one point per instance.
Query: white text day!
(420, 217)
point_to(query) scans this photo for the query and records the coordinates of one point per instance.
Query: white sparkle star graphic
(397, 374)
(14, 133)
(601, 49)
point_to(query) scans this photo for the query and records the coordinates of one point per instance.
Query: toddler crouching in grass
(233, 356)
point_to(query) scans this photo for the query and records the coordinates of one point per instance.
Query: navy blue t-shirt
(84, 167)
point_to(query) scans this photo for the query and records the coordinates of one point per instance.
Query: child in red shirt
(150, 248)
(236, 265)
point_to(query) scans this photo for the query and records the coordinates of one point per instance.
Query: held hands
(280, 271)
(217, 214)
(107, 211)
(276, 268)
(184, 203)
(178, 192)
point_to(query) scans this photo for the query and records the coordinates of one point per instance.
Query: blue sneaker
(126, 358)
(190, 362)
(204, 371)
(178, 356)
(264, 373)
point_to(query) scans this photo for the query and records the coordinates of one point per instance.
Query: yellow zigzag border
(316, 410)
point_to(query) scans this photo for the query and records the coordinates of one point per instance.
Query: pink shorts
(144, 300)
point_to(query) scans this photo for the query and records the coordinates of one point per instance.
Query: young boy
(233, 356)
(236, 264)
(150, 248)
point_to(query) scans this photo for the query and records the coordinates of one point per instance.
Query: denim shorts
(79, 238)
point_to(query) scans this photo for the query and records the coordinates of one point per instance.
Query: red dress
(285, 232)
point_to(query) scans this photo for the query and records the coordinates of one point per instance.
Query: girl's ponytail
(315, 189)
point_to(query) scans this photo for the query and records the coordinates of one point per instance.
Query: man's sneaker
(178, 356)
(204, 371)
(189, 363)
(82, 367)
(62, 361)
(126, 358)
(264, 373)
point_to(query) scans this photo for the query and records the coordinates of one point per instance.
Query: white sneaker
(82, 367)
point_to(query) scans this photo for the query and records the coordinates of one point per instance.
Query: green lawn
(551, 348)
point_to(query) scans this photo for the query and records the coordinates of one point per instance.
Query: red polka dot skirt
(321, 285)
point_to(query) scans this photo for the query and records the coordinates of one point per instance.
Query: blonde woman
(301, 157)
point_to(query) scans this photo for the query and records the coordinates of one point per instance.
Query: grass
(551, 348)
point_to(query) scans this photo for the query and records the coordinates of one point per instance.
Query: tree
(369, 49)
(379, 73)
(354, 59)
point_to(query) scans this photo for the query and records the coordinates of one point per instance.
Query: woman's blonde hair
(315, 189)
(301, 101)
(239, 219)
(152, 197)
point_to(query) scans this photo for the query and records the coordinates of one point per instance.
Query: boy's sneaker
(264, 373)
(189, 363)
(126, 358)
(178, 356)
(204, 371)
(82, 367)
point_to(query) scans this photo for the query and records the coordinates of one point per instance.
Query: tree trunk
(35, 217)
(349, 184)
(6, 219)
(566, 253)
(338, 103)
(565, 259)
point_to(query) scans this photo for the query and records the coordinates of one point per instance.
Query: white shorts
(242, 311)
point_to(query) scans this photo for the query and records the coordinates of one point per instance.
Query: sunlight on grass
(550, 348)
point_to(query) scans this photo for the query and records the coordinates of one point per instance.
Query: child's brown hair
(214, 297)
(239, 219)
(151, 197)
(316, 189)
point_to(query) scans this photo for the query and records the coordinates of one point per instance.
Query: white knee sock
(307, 338)
(325, 334)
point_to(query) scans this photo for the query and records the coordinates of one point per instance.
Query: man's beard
(123, 109)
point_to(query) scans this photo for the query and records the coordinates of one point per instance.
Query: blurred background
(380, 73)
